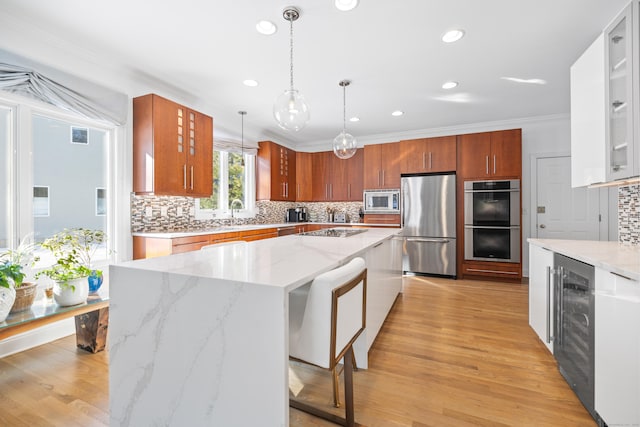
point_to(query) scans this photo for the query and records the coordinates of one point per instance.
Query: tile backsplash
(169, 213)
(629, 214)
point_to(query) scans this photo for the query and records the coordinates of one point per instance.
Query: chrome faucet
(235, 202)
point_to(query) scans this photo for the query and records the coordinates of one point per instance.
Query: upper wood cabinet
(336, 179)
(428, 155)
(490, 155)
(275, 172)
(172, 148)
(382, 166)
(304, 177)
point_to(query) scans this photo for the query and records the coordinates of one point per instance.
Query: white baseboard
(36, 337)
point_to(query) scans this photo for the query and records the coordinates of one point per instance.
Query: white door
(563, 212)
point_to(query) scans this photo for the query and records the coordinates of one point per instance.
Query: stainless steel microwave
(381, 201)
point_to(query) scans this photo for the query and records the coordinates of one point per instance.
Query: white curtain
(18, 75)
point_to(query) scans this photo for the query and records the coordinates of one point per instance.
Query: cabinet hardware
(548, 321)
(383, 177)
(480, 270)
(494, 164)
(486, 164)
(430, 160)
(192, 177)
(424, 160)
(184, 176)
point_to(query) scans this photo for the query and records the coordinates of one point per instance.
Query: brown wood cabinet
(304, 177)
(382, 166)
(490, 155)
(427, 155)
(502, 270)
(335, 179)
(275, 172)
(172, 148)
(391, 220)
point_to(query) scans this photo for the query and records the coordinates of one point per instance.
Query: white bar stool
(323, 325)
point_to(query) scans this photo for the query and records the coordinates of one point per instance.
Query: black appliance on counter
(299, 214)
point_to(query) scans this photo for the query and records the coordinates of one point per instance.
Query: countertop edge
(615, 257)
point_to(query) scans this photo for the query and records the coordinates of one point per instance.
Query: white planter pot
(7, 297)
(73, 292)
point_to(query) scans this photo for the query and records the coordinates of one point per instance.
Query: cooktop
(335, 232)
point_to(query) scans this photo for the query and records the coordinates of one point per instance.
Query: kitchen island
(201, 338)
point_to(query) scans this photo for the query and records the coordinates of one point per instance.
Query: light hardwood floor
(451, 353)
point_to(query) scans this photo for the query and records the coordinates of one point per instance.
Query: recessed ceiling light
(526, 81)
(346, 5)
(397, 113)
(449, 85)
(266, 27)
(354, 119)
(452, 36)
(250, 83)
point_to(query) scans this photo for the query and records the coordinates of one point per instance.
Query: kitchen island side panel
(194, 351)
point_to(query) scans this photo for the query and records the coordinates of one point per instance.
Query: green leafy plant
(14, 261)
(73, 249)
(11, 275)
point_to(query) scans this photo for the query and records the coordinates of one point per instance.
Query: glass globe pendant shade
(290, 110)
(344, 145)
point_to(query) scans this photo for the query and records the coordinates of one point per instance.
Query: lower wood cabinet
(391, 220)
(500, 270)
(151, 247)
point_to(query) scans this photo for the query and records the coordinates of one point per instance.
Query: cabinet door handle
(430, 160)
(349, 191)
(192, 177)
(184, 176)
(548, 321)
(297, 191)
(383, 177)
(424, 160)
(494, 164)
(486, 164)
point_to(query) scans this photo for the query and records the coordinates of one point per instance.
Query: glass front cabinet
(622, 53)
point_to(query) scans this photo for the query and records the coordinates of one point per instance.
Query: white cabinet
(617, 349)
(588, 117)
(605, 104)
(541, 293)
(621, 84)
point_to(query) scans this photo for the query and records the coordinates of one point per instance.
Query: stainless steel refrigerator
(429, 224)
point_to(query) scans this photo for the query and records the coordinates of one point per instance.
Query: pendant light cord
(344, 108)
(291, 50)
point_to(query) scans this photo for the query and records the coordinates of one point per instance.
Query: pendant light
(289, 109)
(344, 145)
(242, 114)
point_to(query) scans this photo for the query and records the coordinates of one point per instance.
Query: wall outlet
(148, 211)
(163, 210)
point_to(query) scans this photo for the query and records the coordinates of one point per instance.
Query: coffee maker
(299, 214)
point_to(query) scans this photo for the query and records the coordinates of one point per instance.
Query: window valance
(28, 78)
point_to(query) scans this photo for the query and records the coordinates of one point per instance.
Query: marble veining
(196, 338)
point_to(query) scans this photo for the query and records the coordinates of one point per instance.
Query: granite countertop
(285, 262)
(232, 228)
(616, 257)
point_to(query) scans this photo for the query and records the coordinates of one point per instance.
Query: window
(40, 201)
(233, 187)
(48, 184)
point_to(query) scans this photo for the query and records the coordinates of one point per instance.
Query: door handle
(418, 239)
(543, 226)
(184, 176)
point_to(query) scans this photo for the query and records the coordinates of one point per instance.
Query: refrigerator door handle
(427, 240)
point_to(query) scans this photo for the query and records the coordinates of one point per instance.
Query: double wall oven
(492, 220)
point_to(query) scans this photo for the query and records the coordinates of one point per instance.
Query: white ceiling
(199, 52)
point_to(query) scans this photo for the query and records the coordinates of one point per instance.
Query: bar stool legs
(336, 380)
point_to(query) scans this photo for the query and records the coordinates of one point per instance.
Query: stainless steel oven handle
(560, 326)
(427, 240)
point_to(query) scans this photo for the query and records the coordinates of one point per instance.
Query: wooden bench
(92, 320)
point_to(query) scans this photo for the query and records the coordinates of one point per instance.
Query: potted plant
(15, 263)
(72, 272)
(7, 292)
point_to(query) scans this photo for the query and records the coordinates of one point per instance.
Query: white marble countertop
(286, 262)
(612, 256)
(232, 228)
